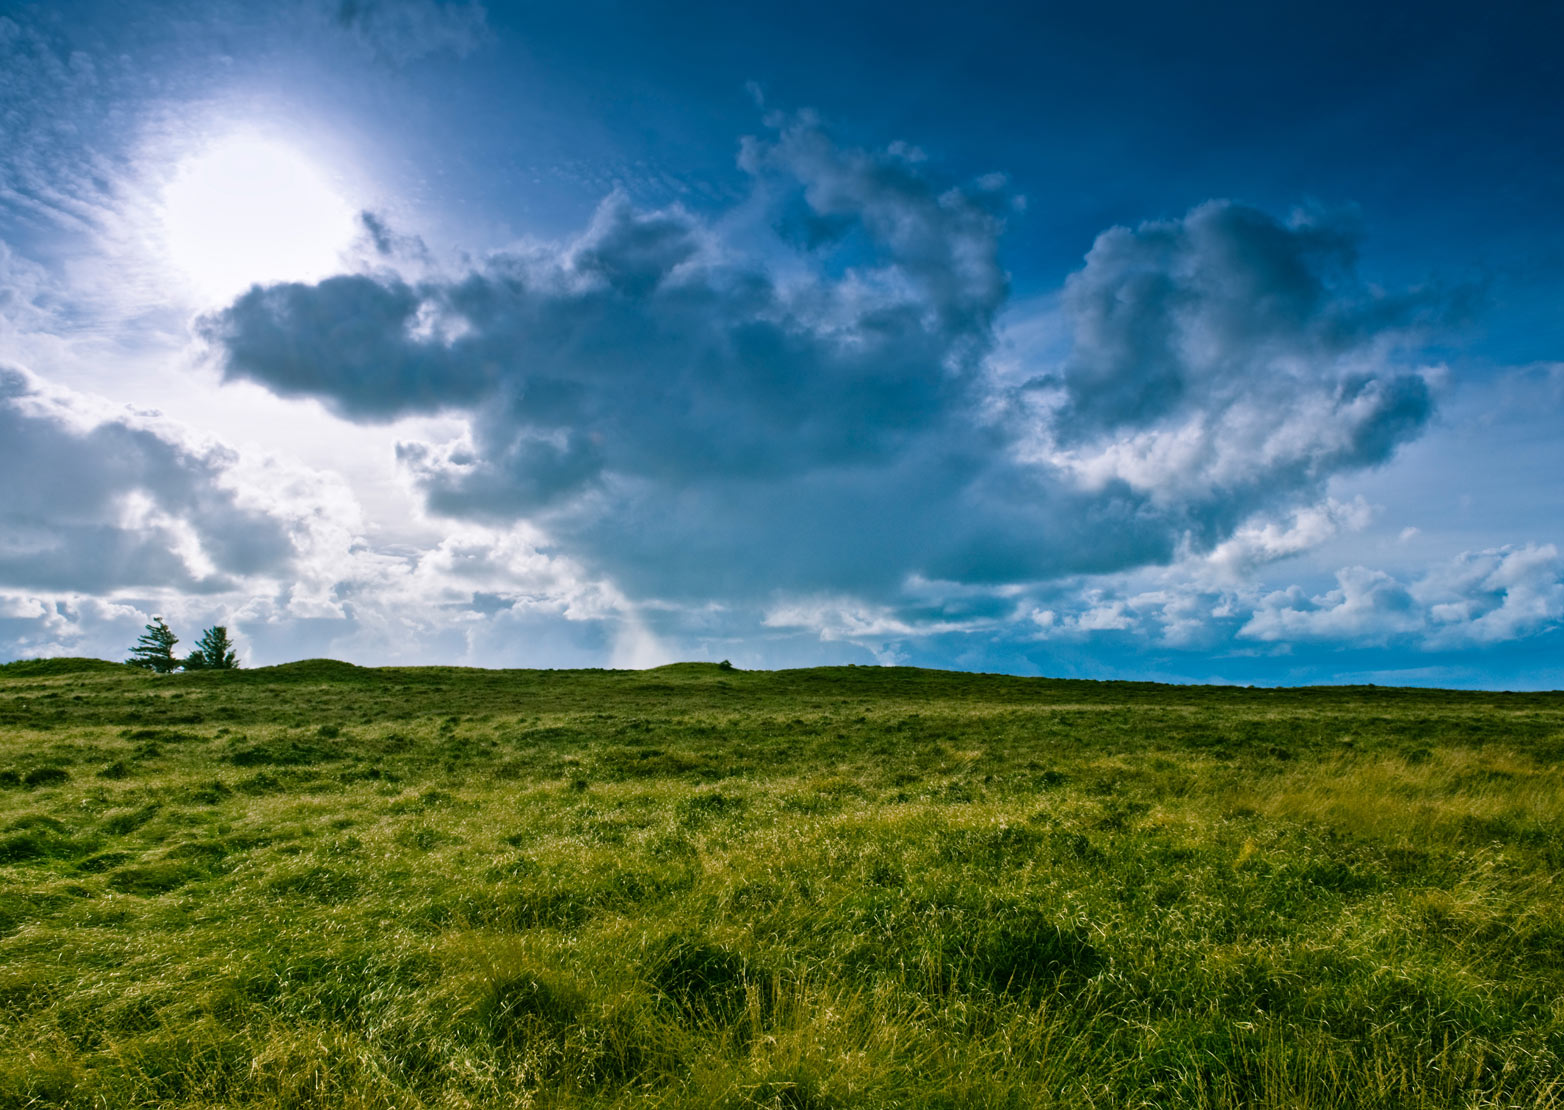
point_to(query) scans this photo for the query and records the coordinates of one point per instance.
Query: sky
(1199, 343)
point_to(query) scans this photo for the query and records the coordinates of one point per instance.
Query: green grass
(321, 885)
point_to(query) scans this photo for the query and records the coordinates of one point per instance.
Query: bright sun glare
(248, 209)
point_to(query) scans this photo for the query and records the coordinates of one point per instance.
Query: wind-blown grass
(322, 885)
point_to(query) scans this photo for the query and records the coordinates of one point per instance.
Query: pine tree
(154, 650)
(214, 652)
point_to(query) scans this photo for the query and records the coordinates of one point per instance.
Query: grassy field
(319, 885)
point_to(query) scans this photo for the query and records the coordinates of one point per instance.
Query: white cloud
(1105, 617)
(100, 505)
(1367, 606)
(1227, 362)
(1261, 541)
(402, 31)
(1494, 595)
(845, 618)
(1479, 598)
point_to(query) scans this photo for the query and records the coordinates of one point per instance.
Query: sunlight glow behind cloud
(250, 209)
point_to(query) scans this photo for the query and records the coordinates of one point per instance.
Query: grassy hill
(325, 885)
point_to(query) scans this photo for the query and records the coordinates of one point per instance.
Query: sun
(249, 209)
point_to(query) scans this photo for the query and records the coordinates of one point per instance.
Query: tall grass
(318, 885)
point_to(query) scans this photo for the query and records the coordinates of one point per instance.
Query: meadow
(321, 885)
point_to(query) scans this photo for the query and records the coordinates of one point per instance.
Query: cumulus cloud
(1192, 315)
(1495, 595)
(1366, 606)
(641, 376)
(1261, 541)
(99, 505)
(699, 414)
(35, 626)
(1481, 597)
(1229, 361)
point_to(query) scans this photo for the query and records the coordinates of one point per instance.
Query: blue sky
(1208, 342)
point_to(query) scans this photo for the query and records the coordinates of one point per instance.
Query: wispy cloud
(402, 31)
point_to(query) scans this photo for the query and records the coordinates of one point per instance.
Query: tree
(154, 650)
(214, 652)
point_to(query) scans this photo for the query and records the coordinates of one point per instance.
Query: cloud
(97, 506)
(1495, 595)
(478, 597)
(1482, 597)
(1193, 315)
(1366, 606)
(804, 403)
(33, 626)
(47, 176)
(1104, 616)
(402, 31)
(640, 372)
(383, 243)
(1479, 600)
(1259, 542)
(940, 241)
(1228, 361)
(844, 618)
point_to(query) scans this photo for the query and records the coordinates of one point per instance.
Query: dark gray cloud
(643, 351)
(1224, 305)
(1229, 363)
(387, 244)
(115, 505)
(349, 341)
(941, 241)
(816, 412)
